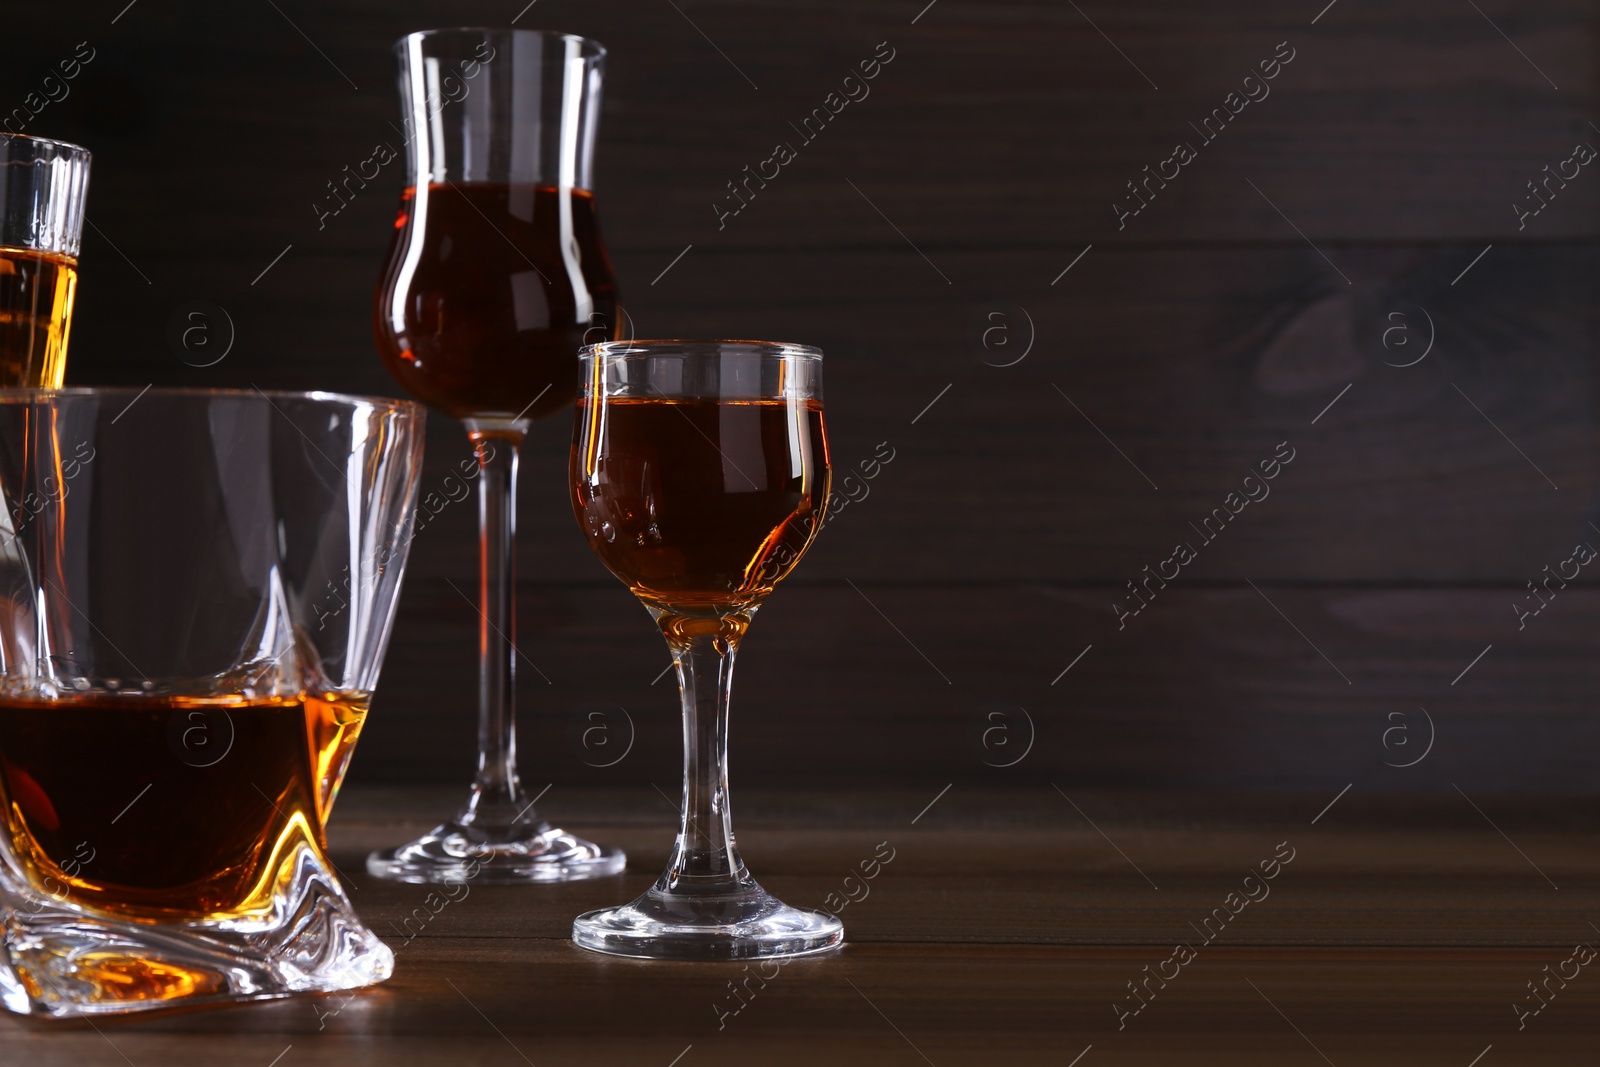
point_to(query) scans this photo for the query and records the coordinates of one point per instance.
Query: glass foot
(524, 852)
(62, 961)
(746, 923)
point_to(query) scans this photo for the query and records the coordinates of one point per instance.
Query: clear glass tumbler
(43, 186)
(700, 476)
(196, 589)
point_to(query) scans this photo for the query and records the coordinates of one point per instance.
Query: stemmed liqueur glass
(699, 475)
(495, 278)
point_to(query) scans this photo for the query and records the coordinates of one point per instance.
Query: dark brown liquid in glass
(700, 503)
(480, 309)
(169, 807)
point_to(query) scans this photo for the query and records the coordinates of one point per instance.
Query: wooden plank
(1344, 954)
(1012, 123)
(1434, 1009)
(1021, 524)
(1193, 363)
(954, 1006)
(1208, 688)
(1356, 877)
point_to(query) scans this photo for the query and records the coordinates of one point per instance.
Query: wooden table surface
(1005, 929)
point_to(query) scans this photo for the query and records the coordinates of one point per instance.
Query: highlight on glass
(495, 278)
(196, 590)
(700, 476)
(43, 186)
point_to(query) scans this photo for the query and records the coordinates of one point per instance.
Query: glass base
(746, 923)
(62, 961)
(525, 852)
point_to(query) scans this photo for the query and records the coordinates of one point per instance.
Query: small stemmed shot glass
(699, 475)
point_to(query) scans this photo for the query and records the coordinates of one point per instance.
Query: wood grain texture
(956, 1006)
(1209, 687)
(1384, 126)
(1003, 930)
(1194, 363)
(1062, 880)
(1255, 301)
(947, 671)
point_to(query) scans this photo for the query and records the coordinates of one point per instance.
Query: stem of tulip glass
(497, 797)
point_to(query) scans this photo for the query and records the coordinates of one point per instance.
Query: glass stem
(705, 859)
(497, 797)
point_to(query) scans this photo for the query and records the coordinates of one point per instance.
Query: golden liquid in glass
(36, 292)
(160, 808)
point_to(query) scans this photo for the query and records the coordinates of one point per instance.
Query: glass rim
(639, 349)
(76, 150)
(593, 49)
(25, 395)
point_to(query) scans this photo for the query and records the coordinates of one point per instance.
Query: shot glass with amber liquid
(43, 185)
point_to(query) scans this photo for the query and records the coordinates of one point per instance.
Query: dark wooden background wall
(925, 638)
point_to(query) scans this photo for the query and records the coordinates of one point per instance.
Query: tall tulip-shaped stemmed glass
(699, 475)
(495, 278)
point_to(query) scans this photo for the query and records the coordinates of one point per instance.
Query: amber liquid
(480, 312)
(700, 503)
(36, 292)
(107, 803)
